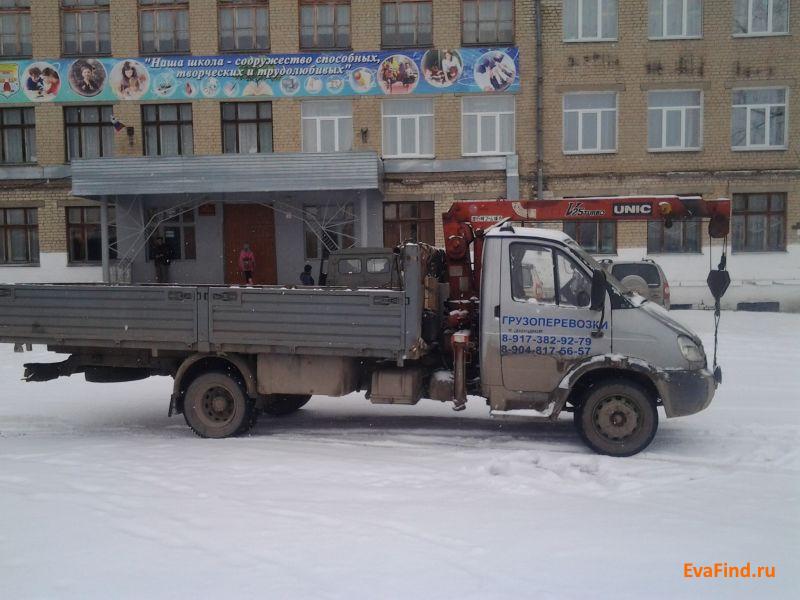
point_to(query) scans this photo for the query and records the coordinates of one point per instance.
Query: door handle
(497, 312)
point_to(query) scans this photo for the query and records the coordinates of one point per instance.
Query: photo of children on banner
(87, 76)
(398, 75)
(129, 80)
(495, 71)
(442, 68)
(9, 79)
(41, 82)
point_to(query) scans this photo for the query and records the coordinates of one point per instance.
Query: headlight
(690, 350)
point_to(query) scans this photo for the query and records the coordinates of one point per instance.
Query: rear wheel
(617, 418)
(279, 405)
(216, 406)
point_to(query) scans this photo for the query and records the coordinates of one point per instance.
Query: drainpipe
(539, 108)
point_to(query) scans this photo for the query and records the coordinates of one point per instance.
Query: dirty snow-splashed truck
(523, 317)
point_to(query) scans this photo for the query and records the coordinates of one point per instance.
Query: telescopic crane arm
(466, 223)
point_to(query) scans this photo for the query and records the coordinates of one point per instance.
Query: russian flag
(118, 125)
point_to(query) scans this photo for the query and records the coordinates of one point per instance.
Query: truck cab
(557, 332)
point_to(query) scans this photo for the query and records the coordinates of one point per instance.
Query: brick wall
(203, 32)
(633, 65)
(50, 201)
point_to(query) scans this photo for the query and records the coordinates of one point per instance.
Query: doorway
(253, 224)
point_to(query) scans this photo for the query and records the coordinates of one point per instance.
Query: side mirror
(598, 289)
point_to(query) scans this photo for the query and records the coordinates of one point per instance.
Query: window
(590, 20)
(350, 266)
(487, 125)
(407, 128)
(19, 236)
(167, 129)
(85, 27)
(676, 19)
(164, 26)
(246, 127)
(532, 273)
(761, 17)
(243, 25)
(83, 233)
(15, 28)
(487, 21)
(327, 126)
(590, 123)
(328, 228)
(406, 23)
(90, 133)
(674, 121)
(178, 231)
(596, 237)
(324, 23)
(759, 119)
(682, 237)
(410, 221)
(17, 135)
(759, 222)
(378, 265)
(574, 285)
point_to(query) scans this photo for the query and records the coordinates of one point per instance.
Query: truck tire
(617, 418)
(216, 406)
(280, 405)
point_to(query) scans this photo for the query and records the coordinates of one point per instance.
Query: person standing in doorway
(162, 257)
(305, 276)
(247, 263)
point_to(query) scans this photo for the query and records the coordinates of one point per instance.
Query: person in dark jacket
(162, 257)
(305, 276)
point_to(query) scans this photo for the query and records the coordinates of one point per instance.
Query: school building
(303, 126)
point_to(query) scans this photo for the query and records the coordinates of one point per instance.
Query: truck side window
(350, 266)
(532, 277)
(377, 265)
(574, 285)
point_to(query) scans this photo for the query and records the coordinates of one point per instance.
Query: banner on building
(236, 76)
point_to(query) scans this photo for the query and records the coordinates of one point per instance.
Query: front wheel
(216, 406)
(617, 418)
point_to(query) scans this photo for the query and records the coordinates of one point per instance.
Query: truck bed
(380, 323)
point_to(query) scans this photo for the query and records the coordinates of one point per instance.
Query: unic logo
(633, 209)
(575, 209)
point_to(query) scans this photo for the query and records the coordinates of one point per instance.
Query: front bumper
(686, 392)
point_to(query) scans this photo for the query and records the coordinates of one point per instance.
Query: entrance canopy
(237, 173)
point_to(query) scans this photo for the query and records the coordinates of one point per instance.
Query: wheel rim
(217, 406)
(617, 418)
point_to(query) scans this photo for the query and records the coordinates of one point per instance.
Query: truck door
(545, 320)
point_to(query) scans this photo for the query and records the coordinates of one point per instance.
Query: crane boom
(466, 223)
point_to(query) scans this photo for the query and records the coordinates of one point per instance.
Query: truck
(521, 317)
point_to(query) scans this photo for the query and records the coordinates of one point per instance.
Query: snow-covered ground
(103, 496)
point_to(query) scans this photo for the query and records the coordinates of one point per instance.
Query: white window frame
(766, 106)
(337, 122)
(600, 38)
(684, 35)
(581, 112)
(415, 118)
(770, 12)
(683, 147)
(496, 116)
